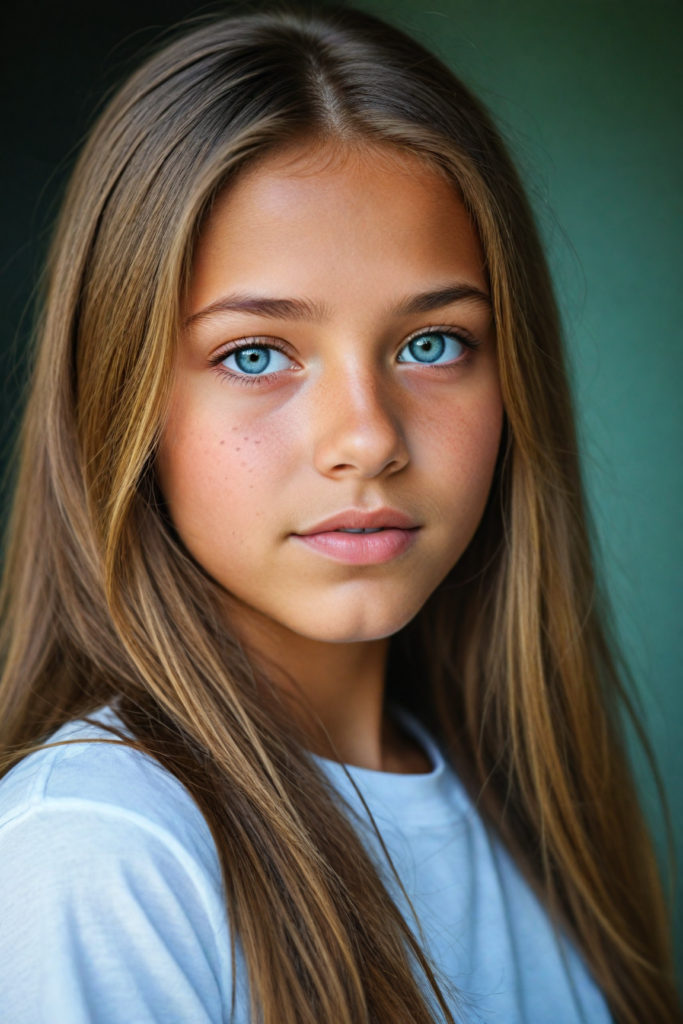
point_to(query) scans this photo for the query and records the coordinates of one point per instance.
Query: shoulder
(86, 772)
(110, 885)
(90, 796)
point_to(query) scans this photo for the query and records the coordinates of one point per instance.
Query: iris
(252, 360)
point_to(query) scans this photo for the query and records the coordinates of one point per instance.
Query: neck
(336, 691)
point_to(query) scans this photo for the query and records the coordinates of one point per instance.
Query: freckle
(238, 449)
(245, 439)
(234, 428)
(222, 442)
(257, 442)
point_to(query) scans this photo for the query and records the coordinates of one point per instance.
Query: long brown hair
(101, 601)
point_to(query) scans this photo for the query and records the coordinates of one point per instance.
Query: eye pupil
(252, 360)
(427, 348)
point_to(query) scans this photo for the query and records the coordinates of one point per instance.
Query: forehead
(330, 222)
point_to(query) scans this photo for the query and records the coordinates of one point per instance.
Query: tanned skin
(329, 264)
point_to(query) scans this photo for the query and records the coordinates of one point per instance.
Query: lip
(397, 533)
(357, 519)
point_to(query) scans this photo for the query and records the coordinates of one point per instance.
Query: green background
(589, 95)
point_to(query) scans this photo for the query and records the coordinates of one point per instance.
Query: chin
(348, 622)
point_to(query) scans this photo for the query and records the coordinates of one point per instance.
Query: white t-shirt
(112, 912)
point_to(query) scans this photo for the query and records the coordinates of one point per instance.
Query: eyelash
(247, 380)
(464, 337)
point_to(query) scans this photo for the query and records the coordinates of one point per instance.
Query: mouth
(362, 538)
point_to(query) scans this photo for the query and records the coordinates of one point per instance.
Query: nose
(358, 429)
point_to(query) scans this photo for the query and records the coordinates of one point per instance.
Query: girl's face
(337, 373)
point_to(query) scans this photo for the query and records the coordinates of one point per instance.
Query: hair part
(101, 602)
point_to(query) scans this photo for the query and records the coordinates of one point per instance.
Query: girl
(308, 711)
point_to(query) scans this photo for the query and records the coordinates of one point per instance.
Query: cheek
(219, 472)
(458, 440)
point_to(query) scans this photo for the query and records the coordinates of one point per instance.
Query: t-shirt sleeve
(103, 921)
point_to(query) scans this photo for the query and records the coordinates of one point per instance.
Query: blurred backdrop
(589, 94)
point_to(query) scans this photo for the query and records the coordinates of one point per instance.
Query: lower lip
(361, 548)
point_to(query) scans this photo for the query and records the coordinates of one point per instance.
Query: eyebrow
(274, 309)
(428, 301)
(306, 310)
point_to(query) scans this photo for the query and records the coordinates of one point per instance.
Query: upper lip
(356, 519)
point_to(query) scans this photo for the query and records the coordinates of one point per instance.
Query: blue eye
(256, 359)
(431, 347)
